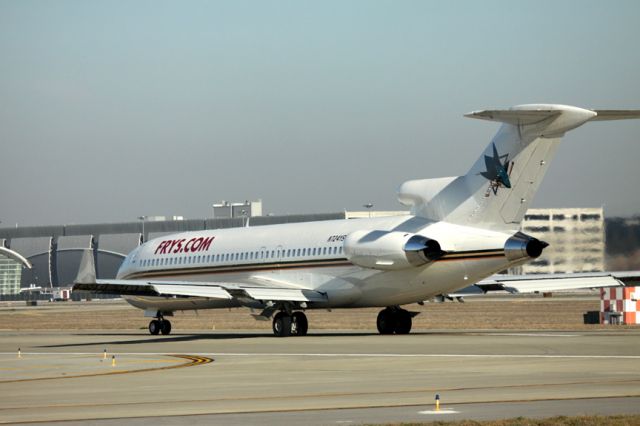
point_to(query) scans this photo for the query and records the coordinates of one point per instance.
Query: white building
(247, 209)
(575, 236)
(10, 275)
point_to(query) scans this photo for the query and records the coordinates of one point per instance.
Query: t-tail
(498, 189)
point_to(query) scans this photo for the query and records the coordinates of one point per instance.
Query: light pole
(368, 206)
(142, 218)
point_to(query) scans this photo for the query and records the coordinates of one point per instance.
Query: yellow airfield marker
(437, 402)
(19, 353)
(113, 361)
(104, 356)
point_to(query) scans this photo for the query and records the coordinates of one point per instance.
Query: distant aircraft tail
(498, 189)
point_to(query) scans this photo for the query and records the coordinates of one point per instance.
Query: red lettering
(196, 244)
(179, 246)
(206, 243)
(187, 247)
(160, 247)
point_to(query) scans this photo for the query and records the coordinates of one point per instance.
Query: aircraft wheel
(300, 324)
(386, 321)
(165, 327)
(403, 321)
(154, 327)
(282, 325)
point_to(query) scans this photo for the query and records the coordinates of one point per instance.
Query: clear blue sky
(114, 109)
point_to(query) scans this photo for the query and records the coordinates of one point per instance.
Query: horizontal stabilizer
(526, 115)
(516, 117)
(615, 114)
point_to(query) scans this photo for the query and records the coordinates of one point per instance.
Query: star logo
(498, 171)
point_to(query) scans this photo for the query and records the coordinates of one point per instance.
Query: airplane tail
(498, 189)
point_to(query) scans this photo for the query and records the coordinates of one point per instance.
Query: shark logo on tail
(498, 171)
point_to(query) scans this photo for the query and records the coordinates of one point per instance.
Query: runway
(328, 378)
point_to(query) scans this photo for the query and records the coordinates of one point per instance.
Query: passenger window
(314, 251)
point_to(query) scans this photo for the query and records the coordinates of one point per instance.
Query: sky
(110, 110)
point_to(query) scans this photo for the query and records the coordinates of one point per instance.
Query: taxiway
(249, 377)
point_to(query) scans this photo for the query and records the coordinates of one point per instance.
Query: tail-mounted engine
(390, 250)
(522, 246)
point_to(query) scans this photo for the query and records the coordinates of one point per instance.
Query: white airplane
(461, 231)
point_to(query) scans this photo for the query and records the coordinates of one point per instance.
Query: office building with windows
(576, 240)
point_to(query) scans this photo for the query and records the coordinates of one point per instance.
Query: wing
(201, 289)
(262, 290)
(551, 282)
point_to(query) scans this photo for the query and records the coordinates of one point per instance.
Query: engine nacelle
(390, 250)
(522, 246)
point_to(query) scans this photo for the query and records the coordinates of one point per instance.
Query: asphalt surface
(328, 378)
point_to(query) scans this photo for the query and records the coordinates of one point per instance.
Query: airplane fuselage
(311, 256)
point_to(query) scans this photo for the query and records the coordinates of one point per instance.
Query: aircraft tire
(282, 325)
(299, 319)
(403, 321)
(386, 321)
(165, 327)
(154, 327)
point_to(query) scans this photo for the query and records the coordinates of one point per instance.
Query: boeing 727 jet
(461, 231)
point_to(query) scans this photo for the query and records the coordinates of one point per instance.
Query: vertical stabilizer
(499, 188)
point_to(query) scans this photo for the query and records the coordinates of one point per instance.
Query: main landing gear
(295, 324)
(394, 320)
(160, 325)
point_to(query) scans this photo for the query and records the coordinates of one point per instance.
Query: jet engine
(390, 250)
(522, 246)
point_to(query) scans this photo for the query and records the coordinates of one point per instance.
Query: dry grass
(630, 420)
(556, 313)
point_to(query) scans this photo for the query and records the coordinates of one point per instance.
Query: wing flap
(122, 287)
(284, 294)
(210, 292)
